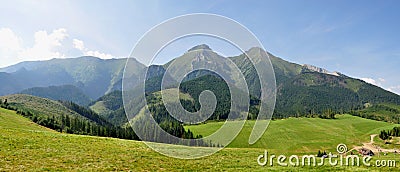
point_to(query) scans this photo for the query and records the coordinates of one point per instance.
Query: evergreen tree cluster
(222, 93)
(295, 100)
(326, 114)
(385, 135)
(379, 112)
(164, 122)
(88, 113)
(216, 85)
(153, 132)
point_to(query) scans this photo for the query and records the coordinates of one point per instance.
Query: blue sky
(359, 37)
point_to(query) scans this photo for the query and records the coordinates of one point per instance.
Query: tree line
(379, 112)
(387, 134)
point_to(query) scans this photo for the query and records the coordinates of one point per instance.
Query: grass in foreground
(25, 146)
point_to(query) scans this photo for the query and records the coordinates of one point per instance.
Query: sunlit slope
(10, 121)
(38, 105)
(301, 135)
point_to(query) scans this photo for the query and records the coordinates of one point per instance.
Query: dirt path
(372, 138)
(376, 149)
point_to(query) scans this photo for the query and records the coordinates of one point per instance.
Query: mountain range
(95, 77)
(301, 89)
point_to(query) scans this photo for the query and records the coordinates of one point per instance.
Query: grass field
(304, 135)
(25, 146)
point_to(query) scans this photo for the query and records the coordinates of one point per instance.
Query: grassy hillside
(26, 146)
(39, 105)
(9, 120)
(297, 135)
(48, 108)
(64, 116)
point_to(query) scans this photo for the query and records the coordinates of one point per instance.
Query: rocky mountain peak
(200, 47)
(319, 70)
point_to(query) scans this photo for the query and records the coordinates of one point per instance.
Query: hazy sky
(358, 38)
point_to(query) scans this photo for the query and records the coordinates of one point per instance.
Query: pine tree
(67, 121)
(384, 135)
(319, 154)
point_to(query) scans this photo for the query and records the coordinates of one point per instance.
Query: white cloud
(395, 89)
(370, 80)
(98, 54)
(45, 45)
(9, 41)
(10, 44)
(380, 83)
(80, 45)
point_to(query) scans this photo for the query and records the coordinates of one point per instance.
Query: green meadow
(26, 146)
(304, 135)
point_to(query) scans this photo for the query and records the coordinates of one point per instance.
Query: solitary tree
(384, 135)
